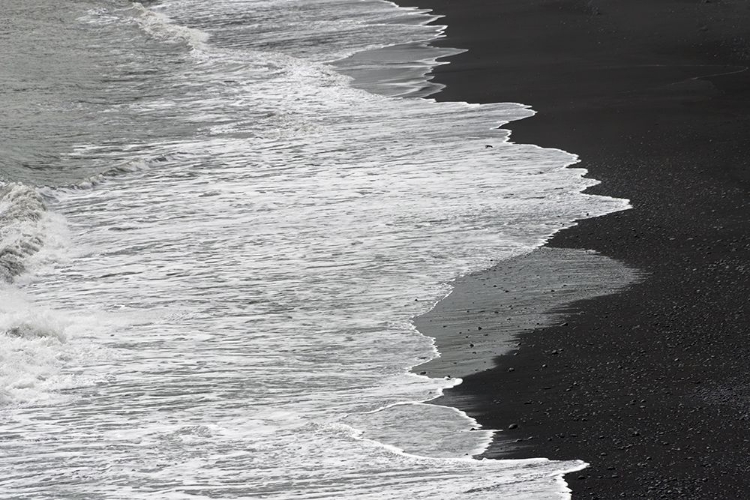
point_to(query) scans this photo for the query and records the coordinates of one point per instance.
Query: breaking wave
(25, 227)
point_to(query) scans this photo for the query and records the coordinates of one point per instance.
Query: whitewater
(217, 220)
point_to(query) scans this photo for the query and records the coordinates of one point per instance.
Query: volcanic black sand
(651, 386)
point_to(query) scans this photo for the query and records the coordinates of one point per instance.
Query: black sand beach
(651, 386)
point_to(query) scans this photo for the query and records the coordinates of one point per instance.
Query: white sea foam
(161, 27)
(37, 344)
(246, 298)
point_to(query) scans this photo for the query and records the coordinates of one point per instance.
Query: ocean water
(217, 220)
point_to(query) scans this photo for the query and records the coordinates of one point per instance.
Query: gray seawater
(217, 220)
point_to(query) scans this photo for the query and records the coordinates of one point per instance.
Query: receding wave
(250, 259)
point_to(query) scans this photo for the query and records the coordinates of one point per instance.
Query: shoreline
(484, 313)
(649, 385)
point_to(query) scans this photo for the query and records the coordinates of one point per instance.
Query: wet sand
(651, 385)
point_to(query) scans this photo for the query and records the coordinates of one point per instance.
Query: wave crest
(22, 217)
